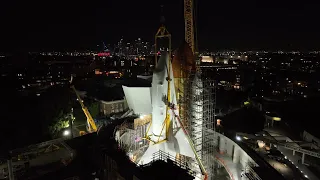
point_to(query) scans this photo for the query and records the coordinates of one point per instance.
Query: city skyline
(221, 25)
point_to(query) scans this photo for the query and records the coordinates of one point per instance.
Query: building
(112, 107)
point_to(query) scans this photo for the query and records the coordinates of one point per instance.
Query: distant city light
(207, 59)
(104, 54)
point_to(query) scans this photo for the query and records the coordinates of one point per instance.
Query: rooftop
(109, 89)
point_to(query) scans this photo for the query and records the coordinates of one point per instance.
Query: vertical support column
(294, 153)
(302, 161)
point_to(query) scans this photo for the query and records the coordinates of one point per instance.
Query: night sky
(67, 24)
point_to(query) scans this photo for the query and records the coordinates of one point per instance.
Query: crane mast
(189, 24)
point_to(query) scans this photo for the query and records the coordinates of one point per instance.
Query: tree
(59, 123)
(56, 109)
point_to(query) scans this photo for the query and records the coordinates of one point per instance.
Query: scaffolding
(130, 136)
(197, 99)
(200, 101)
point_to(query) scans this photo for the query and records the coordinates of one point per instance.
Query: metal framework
(161, 33)
(197, 99)
(200, 104)
(132, 139)
(189, 24)
(21, 156)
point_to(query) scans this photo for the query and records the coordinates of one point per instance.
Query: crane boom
(92, 125)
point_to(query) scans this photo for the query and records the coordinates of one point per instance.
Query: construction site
(170, 125)
(181, 121)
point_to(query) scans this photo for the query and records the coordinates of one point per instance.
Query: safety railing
(166, 157)
(250, 173)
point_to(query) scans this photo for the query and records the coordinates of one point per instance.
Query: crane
(190, 30)
(92, 127)
(189, 24)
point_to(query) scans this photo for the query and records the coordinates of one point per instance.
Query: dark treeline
(25, 119)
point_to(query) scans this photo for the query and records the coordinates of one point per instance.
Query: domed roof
(183, 60)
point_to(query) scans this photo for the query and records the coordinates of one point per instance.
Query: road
(294, 159)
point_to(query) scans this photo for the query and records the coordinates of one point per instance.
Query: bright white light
(66, 132)
(238, 138)
(285, 157)
(306, 176)
(141, 116)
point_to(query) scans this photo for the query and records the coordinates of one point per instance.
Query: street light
(66, 132)
(238, 138)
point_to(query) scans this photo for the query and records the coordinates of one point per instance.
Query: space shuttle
(164, 135)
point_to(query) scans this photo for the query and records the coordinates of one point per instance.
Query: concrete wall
(232, 149)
